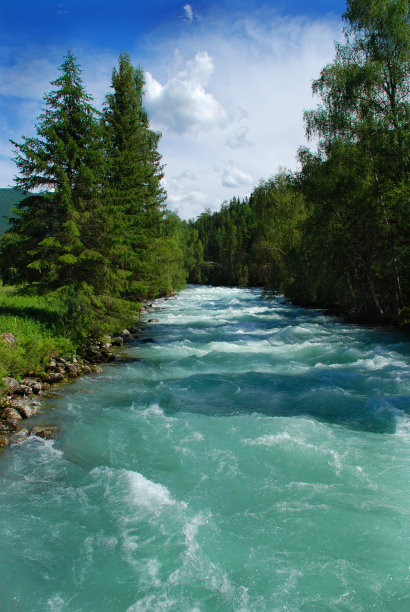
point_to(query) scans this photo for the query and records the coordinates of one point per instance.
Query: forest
(93, 233)
(334, 234)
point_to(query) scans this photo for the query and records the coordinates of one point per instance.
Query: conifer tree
(60, 227)
(133, 183)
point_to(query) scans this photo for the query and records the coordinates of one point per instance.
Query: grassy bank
(35, 322)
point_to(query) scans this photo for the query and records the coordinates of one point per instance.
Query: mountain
(9, 198)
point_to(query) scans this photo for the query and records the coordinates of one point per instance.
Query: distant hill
(9, 198)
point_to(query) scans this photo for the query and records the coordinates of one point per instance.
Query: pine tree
(133, 183)
(61, 226)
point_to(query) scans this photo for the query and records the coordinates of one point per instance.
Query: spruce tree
(64, 164)
(133, 183)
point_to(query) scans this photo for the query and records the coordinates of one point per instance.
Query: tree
(60, 227)
(59, 237)
(133, 183)
(365, 110)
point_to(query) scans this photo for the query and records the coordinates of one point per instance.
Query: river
(254, 457)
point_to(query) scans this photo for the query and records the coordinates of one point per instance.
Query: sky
(227, 81)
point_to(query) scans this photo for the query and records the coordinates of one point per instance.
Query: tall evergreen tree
(133, 182)
(57, 235)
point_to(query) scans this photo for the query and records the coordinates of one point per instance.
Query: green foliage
(138, 248)
(224, 238)
(357, 185)
(34, 322)
(337, 233)
(96, 240)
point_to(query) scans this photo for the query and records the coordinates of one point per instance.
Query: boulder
(72, 370)
(86, 369)
(53, 377)
(62, 360)
(153, 321)
(11, 384)
(24, 390)
(125, 333)
(10, 414)
(47, 432)
(35, 385)
(8, 338)
(97, 369)
(24, 406)
(117, 341)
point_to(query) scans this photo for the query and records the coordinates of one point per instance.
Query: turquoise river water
(255, 457)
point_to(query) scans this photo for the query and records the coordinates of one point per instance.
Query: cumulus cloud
(183, 104)
(230, 115)
(189, 13)
(262, 69)
(232, 177)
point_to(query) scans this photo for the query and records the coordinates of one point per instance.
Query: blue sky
(227, 81)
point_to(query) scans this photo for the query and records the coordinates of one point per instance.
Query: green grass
(34, 321)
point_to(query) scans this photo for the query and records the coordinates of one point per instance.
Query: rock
(97, 369)
(94, 355)
(106, 346)
(35, 385)
(117, 341)
(24, 390)
(153, 321)
(47, 432)
(51, 365)
(11, 384)
(62, 360)
(10, 414)
(72, 370)
(4, 428)
(125, 333)
(53, 377)
(24, 406)
(86, 369)
(8, 338)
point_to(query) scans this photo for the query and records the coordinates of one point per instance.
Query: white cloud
(230, 112)
(233, 177)
(189, 13)
(262, 69)
(239, 138)
(27, 77)
(183, 104)
(190, 204)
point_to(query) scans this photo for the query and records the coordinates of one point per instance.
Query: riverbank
(37, 356)
(21, 399)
